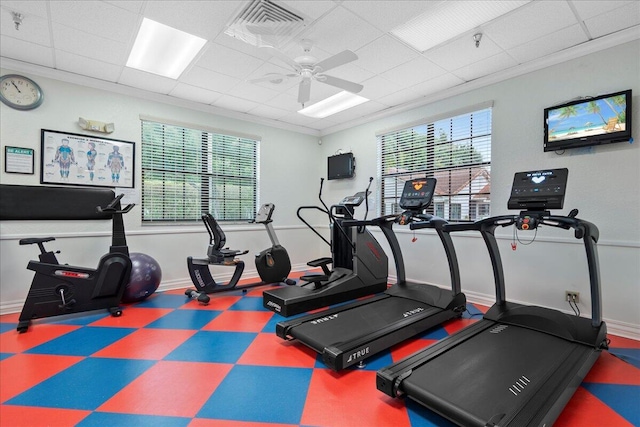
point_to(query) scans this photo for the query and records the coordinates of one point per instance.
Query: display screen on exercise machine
(542, 189)
(417, 193)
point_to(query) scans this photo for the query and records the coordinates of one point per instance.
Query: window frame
(395, 145)
(190, 175)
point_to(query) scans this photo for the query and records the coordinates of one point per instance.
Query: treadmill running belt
(351, 324)
(492, 373)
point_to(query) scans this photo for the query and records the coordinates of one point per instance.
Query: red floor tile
(239, 321)
(454, 326)
(269, 350)
(150, 344)
(22, 371)
(10, 318)
(350, 399)
(169, 389)
(586, 410)
(407, 348)
(31, 416)
(133, 317)
(608, 369)
(218, 301)
(203, 422)
(14, 342)
(621, 342)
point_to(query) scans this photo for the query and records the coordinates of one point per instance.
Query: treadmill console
(417, 194)
(264, 213)
(539, 190)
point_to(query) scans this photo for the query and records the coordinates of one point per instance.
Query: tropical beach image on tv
(587, 122)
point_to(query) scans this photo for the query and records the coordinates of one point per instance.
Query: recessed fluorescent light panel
(332, 105)
(163, 50)
(448, 19)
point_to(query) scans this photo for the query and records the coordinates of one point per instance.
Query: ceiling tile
(386, 15)
(377, 87)
(235, 104)
(397, 98)
(27, 8)
(384, 53)
(193, 93)
(201, 77)
(254, 92)
(30, 53)
(593, 8)
(146, 81)
(89, 45)
(530, 22)
(462, 51)
(358, 111)
(614, 20)
(97, 18)
(268, 112)
(436, 85)
(130, 5)
(82, 65)
(548, 44)
(313, 9)
(228, 61)
(285, 101)
(206, 19)
(340, 29)
(34, 29)
(496, 63)
(413, 72)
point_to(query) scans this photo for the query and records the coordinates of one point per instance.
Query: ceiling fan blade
(271, 77)
(336, 60)
(304, 91)
(282, 57)
(340, 83)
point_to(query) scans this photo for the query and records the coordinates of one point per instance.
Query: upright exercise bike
(59, 289)
(273, 263)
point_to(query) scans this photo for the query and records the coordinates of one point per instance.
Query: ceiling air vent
(266, 23)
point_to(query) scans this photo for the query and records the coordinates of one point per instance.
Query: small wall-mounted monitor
(341, 166)
(591, 121)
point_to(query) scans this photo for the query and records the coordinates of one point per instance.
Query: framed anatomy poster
(74, 159)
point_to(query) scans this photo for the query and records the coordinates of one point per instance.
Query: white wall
(603, 185)
(289, 177)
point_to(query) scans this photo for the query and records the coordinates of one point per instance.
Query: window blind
(454, 150)
(187, 172)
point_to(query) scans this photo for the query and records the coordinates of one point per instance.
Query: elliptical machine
(273, 264)
(359, 264)
(59, 289)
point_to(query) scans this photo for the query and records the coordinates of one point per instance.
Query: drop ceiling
(89, 41)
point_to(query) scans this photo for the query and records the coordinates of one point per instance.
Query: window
(454, 150)
(187, 172)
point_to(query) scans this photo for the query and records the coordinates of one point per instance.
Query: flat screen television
(590, 121)
(341, 166)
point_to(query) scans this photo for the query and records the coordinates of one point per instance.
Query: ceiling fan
(308, 68)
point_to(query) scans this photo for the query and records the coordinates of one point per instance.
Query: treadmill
(348, 334)
(520, 364)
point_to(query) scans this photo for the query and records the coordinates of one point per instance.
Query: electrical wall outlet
(572, 296)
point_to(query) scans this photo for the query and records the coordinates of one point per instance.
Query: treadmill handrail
(584, 230)
(437, 223)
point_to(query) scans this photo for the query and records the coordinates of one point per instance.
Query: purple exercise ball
(145, 278)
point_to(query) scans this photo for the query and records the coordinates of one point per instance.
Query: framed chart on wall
(74, 159)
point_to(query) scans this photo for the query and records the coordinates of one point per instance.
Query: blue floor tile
(101, 419)
(436, 333)
(621, 398)
(5, 355)
(216, 347)
(85, 385)
(82, 342)
(185, 319)
(4, 327)
(162, 300)
(80, 319)
(256, 385)
(248, 304)
(629, 355)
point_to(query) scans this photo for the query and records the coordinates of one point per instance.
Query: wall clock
(20, 92)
